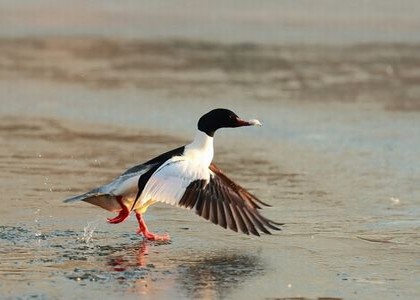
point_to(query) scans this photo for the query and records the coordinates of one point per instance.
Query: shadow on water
(217, 275)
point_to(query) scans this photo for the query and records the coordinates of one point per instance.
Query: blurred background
(358, 51)
(89, 88)
(272, 22)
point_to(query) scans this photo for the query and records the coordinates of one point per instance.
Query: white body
(169, 182)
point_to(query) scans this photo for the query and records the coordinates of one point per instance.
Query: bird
(185, 177)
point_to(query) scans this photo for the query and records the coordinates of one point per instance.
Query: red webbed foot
(123, 214)
(147, 234)
(154, 237)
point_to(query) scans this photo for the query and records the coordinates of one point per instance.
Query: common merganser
(185, 177)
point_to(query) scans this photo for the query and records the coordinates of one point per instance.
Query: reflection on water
(199, 275)
(139, 267)
(121, 263)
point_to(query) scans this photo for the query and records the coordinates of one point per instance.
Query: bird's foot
(146, 233)
(153, 237)
(122, 216)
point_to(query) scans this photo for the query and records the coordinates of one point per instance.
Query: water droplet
(395, 201)
(89, 229)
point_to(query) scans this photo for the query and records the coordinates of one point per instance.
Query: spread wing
(211, 194)
(227, 204)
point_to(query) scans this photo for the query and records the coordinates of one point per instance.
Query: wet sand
(337, 158)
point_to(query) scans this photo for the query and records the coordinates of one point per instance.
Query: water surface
(336, 157)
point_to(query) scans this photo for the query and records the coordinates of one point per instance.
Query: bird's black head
(222, 118)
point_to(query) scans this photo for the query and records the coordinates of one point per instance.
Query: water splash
(38, 234)
(88, 231)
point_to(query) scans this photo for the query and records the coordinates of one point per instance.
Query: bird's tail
(104, 200)
(78, 198)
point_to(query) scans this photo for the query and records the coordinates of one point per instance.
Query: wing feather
(249, 225)
(210, 193)
(238, 219)
(221, 216)
(229, 217)
(213, 212)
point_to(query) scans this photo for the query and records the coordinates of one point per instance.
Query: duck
(185, 177)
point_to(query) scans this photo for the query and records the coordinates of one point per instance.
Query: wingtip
(279, 224)
(275, 227)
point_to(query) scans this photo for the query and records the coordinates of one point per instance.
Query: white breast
(170, 180)
(200, 150)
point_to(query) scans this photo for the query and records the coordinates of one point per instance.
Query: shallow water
(341, 172)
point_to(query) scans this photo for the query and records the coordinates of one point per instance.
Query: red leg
(123, 215)
(146, 233)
